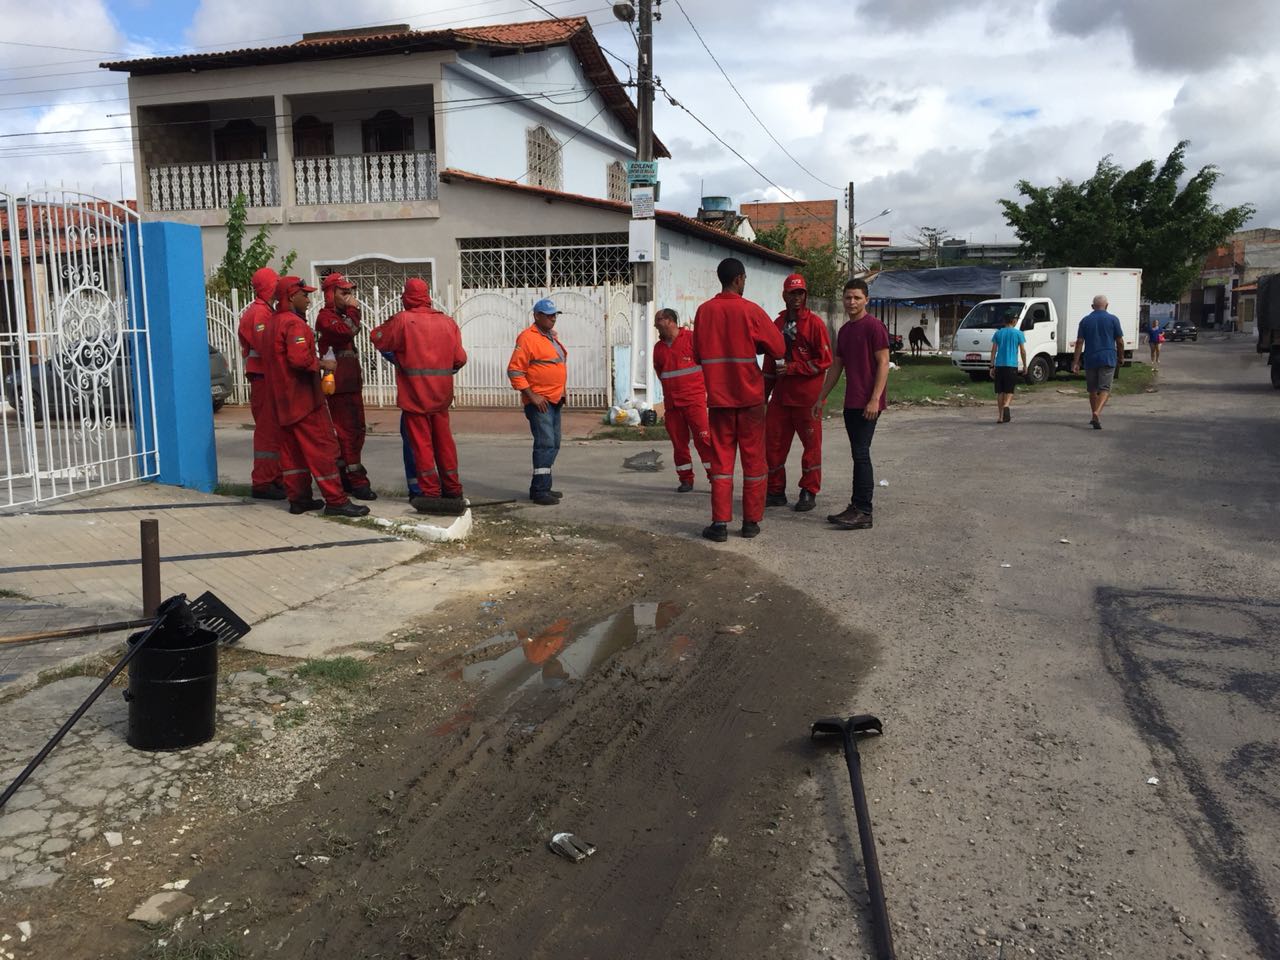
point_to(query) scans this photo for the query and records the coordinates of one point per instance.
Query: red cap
(336, 281)
(794, 282)
(291, 285)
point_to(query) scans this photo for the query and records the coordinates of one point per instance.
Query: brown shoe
(848, 513)
(851, 518)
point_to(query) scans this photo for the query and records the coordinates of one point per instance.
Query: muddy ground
(680, 750)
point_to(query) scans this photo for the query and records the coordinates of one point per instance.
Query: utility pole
(853, 261)
(642, 274)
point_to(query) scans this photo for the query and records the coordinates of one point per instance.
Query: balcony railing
(366, 178)
(212, 186)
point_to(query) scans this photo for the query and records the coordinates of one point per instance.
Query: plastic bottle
(327, 383)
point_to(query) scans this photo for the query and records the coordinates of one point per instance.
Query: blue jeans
(860, 431)
(545, 427)
(410, 468)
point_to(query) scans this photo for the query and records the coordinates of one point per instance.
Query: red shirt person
(337, 324)
(427, 349)
(266, 479)
(793, 383)
(728, 332)
(684, 396)
(291, 371)
(862, 355)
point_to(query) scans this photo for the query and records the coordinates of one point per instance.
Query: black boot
(347, 509)
(750, 529)
(304, 506)
(806, 502)
(269, 491)
(717, 532)
(775, 500)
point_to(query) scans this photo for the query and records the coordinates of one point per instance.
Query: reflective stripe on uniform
(539, 471)
(762, 476)
(778, 469)
(705, 465)
(254, 353)
(556, 360)
(729, 360)
(684, 466)
(266, 455)
(516, 373)
(722, 476)
(328, 476)
(289, 473)
(425, 372)
(680, 373)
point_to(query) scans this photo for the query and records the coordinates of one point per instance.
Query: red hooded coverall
(684, 402)
(337, 332)
(795, 384)
(266, 439)
(427, 345)
(292, 378)
(728, 332)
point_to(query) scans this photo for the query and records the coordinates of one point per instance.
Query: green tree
(775, 237)
(239, 263)
(1129, 218)
(825, 267)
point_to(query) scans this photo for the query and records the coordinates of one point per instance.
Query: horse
(917, 337)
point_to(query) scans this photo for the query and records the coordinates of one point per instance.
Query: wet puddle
(509, 666)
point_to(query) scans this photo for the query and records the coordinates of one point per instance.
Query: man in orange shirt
(538, 370)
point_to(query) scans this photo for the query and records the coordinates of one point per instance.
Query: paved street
(1060, 616)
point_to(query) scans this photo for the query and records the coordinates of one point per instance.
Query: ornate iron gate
(75, 361)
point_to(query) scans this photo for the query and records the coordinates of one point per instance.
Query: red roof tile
(676, 221)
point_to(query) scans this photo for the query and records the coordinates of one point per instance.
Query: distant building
(810, 223)
(947, 253)
(1224, 295)
(718, 212)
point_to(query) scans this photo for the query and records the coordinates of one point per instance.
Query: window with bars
(546, 166)
(387, 275)
(544, 262)
(616, 181)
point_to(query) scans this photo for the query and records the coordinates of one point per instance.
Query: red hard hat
(794, 282)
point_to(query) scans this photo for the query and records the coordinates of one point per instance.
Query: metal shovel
(848, 728)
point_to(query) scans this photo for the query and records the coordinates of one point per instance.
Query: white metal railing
(365, 178)
(213, 185)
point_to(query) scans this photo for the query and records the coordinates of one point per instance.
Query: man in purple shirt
(862, 355)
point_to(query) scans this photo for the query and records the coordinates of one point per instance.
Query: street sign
(643, 237)
(874, 239)
(641, 203)
(642, 171)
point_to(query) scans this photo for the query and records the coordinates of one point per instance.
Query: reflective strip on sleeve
(705, 361)
(513, 374)
(547, 362)
(423, 372)
(680, 373)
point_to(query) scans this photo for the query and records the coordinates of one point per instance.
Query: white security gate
(75, 358)
(224, 324)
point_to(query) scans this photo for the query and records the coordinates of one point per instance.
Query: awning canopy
(936, 282)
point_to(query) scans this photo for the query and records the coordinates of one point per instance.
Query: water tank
(717, 203)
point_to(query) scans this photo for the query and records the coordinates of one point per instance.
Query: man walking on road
(684, 396)
(292, 372)
(337, 325)
(792, 385)
(862, 355)
(1006, 345)
(1101, 339)
(538, 370)
(267, 482)
(426, 347)
(728, 332)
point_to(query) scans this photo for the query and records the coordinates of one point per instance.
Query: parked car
(1182, 330)
(44, 383)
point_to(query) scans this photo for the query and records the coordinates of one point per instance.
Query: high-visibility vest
(539, 362)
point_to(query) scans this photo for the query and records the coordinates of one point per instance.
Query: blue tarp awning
(936, 282)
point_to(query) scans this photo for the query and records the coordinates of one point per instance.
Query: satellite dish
(624, 12)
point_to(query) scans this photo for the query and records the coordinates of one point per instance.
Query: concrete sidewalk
(496, 421)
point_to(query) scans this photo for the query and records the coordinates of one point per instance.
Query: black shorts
(1006, 379)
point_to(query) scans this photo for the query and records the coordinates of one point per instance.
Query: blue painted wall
(179, 337)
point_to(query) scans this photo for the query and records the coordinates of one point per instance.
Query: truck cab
(1036, 317)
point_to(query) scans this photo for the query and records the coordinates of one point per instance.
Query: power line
(676, 103)
(747, 105)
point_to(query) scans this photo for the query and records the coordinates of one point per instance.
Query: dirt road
(1048, 619)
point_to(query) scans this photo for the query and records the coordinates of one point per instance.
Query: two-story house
(485, 159)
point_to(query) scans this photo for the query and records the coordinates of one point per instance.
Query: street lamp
(857, 238)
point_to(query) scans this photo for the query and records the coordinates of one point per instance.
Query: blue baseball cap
(545, 305)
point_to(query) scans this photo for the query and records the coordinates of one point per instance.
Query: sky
(934, 108)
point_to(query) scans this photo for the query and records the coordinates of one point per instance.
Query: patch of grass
(336, 671)
(241, 738)
(13, 595)
(936, 380)
(227, 489)
(291, 717)
(643, 434)
(223, 949)
(95, 666)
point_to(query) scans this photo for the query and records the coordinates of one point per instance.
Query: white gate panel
(224, 322)
(490, 323)
(79, 412)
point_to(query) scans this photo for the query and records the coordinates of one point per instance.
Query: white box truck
(1048, 306)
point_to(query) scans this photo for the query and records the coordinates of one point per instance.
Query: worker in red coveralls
(292, 378)
(684, 396)
(336, 326)
(728, 332)
(792, 385)
(266, 478)
(427, 349)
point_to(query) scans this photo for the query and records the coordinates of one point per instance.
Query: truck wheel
(1039, 370)
(978, 376)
